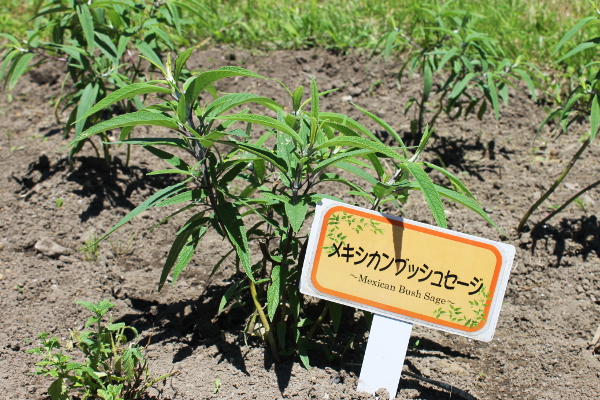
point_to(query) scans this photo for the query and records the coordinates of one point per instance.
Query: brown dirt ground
(541, 349)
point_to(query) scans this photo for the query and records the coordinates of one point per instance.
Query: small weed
(59, 202)
(217, 386)
(90, 248)
(123, 247)
(18, 288)
(111, 369)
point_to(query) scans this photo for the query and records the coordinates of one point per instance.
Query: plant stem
(553, 213)
(554, 186)
(265, 322)
(317, 323)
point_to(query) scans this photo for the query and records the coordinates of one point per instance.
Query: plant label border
(308, 284)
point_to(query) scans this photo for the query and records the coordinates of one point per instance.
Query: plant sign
(405, 272)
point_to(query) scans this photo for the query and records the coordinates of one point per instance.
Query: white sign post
(404, 272)
(384, 357)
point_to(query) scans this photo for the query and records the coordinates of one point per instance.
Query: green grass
(530, 28)
(14, 16)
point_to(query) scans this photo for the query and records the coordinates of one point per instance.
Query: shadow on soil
(114, 184)
(571, 237)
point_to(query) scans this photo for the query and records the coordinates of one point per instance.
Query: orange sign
(407, 270)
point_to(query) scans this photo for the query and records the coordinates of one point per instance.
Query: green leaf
(187, 252)
(296, 214)
(361, 143)
(175, 142)
(335, 310)
(571, 32)
(236, 231)
(149, 53)
(594, 118)
(58, 391)
(314, 94)
(340, 157)
(581, 47)
(18, 68)
(460, 86)
(348, 122)
(259, 151)
(357, 171)
(429, 191)
(170, 158)
(304, 357)
(384, 125)
(264, 121)
(87, 24)
(88, 97)
(493, 95)
(273, 293)
(132, 119)
(180, 62)
(198, 84)
(127, 92)
(191, 195)
(461, 199)
(230, 101)
(228, 295)
(453, 179)
(150, 202)
(525, 76)
(193, 225)
(427, 80)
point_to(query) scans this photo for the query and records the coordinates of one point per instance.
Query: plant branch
(265, 322)
(554, 185)
(573, 198)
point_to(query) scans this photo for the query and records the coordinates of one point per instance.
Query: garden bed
(541, 349)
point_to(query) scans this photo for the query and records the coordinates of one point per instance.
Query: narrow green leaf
(314, 107)
(236, 231)
(571, 32)
(594, 118)
(127, 92)
(493, 95)
(453, 179)
(191, 195)
(228, 295)
(385, 126)
(427, 80)
(361, 143)
(175, 142)
(178, 244)
(340, 157)
(335, 310)
(264, 121)
(525, 76)
(180, 62)
(198, 84)
(227, 102)
(429, 191)
(170, 158)
(87, 100)
(132, 119)
(149, 53)
(581, 47)
(87, 24)
(150, 202)
(273, 293)
(186, 254)
(18, 68)
(304, 357)
(459, 88)
(259, 151)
